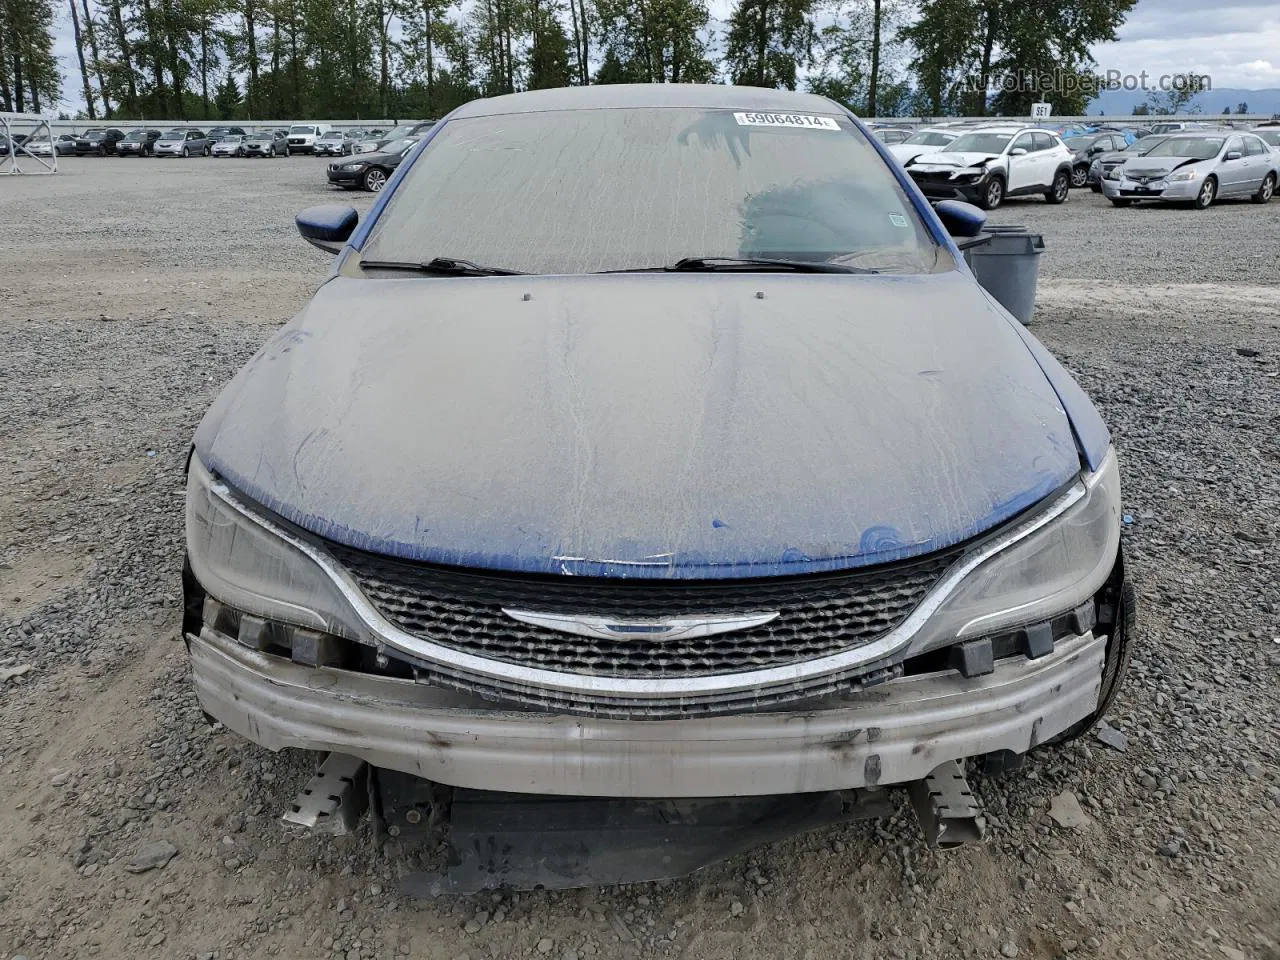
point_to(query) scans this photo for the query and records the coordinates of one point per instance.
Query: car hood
(645, 426)
(1148, 166)
(905, 152)
(967, 159)
(386, 159)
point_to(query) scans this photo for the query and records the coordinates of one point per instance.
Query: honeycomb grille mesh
(819, 615)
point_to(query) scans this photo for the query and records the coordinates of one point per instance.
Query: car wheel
(207, 150)
(1267, 190)
(1121, 202)
(375, 179)
(1206, 195)
(1095, 187)
(186, 152)
(288, 152)
(992, 194)
(1079, 176)
(1057, 193)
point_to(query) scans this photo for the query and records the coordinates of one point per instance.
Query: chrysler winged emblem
(660, 628)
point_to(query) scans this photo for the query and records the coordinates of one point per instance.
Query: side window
(1023, 142)
(1253, 146)
(1234, 144)
(1042, 141)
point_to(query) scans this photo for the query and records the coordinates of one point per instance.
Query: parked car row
(985, 165)
(227, 141)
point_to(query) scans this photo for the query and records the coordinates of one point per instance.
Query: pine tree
(770, 42)
(227, 100)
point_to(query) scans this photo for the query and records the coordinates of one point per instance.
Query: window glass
(579, 191)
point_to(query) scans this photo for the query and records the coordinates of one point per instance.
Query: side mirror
(961, 219)
(1017, 152)
(328, 226)
(1233, 155)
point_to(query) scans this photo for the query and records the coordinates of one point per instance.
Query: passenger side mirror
(328, 226)
(961, 219)
(1018, 152)
(1233, 155)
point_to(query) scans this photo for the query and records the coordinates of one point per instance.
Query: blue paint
(879, 540)
(1091, 434)
(718, 524)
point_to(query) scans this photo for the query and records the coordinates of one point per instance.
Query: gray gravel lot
(131, 290)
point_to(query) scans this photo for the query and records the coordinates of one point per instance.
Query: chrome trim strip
(658, 629)
(387, 633)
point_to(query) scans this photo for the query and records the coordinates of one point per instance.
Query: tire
(1060, 189)
(1079, 177)
(992, 194)
(1095, 187)
(1119, 594)
(288, 152)
(1208, 193)
(185, 153)
(374, 179)
(1121, 202)
(207, 150)
(1267, 190)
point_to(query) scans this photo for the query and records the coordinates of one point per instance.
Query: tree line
(298, 59)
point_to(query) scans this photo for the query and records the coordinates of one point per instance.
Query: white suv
(303, 136)
(987, 164)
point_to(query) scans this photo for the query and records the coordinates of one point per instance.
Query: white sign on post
(1041, 111)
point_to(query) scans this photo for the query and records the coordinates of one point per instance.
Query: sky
(1235, 42)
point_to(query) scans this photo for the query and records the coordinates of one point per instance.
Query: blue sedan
(655, 441)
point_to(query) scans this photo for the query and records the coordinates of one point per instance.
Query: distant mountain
(1211, 102)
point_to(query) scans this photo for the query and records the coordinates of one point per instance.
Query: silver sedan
(1198, 168)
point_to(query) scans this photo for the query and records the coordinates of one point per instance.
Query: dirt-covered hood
(645, 425)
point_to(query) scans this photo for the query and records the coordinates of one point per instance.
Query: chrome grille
(819, 615)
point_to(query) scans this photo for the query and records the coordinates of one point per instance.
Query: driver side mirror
(1233, 155)
(1018, 152)
(328, 226)
(961, 219)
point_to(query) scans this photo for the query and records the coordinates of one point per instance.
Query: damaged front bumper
(893, 733)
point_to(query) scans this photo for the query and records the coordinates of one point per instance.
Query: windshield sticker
(802, 120)
(897, 219)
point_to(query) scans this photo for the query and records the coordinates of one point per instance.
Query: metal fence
(250, 126)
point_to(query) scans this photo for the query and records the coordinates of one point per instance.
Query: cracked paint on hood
(645, 425)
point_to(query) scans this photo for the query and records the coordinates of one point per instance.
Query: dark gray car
(1104, 164)
(1084, 149)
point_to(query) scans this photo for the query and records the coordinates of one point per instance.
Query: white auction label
(803, 120)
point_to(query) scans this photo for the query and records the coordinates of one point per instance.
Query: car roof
(621, 95)
(1008, 128)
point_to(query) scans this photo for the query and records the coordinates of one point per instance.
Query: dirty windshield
(584, 191)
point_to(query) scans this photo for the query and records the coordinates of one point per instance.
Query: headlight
(1183, 175)
(242, 562)
(1054, 568)
(1113, 173)
(353, 166)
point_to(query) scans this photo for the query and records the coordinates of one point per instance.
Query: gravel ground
(130, 290)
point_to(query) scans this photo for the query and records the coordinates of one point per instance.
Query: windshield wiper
(443, 266)
(748, 265)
